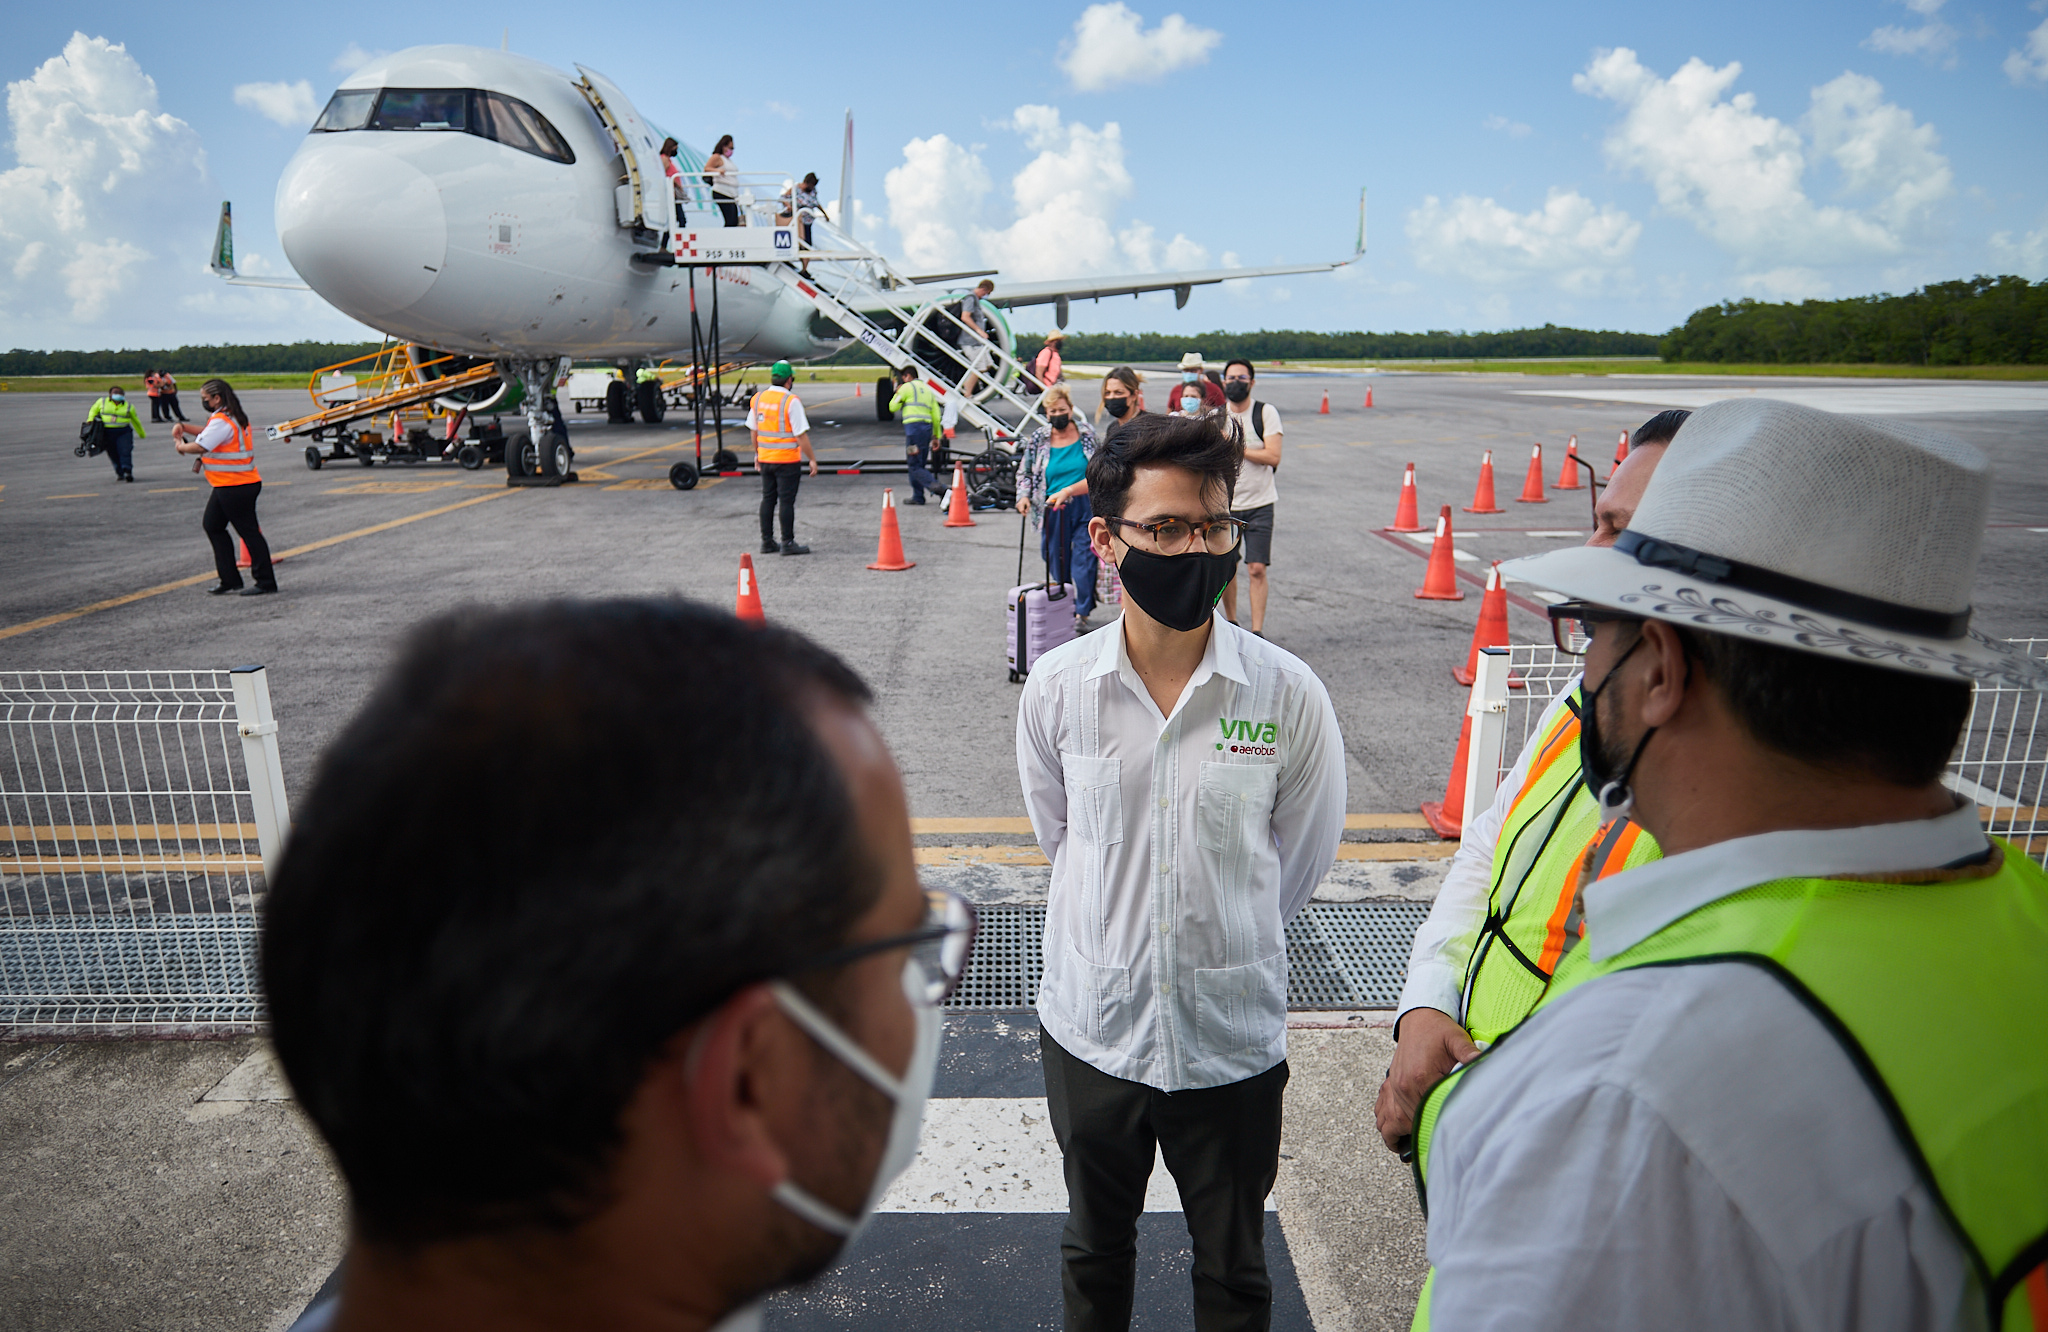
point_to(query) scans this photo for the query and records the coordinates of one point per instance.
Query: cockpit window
(488, 115)
(348, 109)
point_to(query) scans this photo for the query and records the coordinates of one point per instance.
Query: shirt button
(1166, 989)
(1164, 802)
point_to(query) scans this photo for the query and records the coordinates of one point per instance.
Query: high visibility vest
(1538, 861)
(232, 462)
(1938, 994)
(774, 441)
(919, 403)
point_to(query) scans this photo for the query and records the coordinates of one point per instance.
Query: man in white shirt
(1258, 425)
(1187, 782)
(1787, 1079)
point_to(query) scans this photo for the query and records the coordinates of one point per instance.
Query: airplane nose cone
(364, 228)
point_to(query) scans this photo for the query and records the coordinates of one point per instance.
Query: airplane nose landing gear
(544, 457)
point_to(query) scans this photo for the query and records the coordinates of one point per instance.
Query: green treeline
(1300, 345)
(269, 358)
(1981, 321)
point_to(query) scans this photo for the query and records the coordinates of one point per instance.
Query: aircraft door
(645, 198)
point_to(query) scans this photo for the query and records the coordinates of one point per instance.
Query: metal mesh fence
(2002, 762)
(141, 808)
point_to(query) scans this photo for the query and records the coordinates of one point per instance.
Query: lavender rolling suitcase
(1037, 617)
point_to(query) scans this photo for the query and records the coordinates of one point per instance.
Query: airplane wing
(223, 263)
(1084, 289)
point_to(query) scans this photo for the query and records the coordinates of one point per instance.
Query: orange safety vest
(774, 442)
(232, 462)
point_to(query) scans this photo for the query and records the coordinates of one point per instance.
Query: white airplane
(490, 205)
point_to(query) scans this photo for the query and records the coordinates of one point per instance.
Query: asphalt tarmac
(128, 1200)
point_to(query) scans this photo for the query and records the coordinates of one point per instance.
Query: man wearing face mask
(1195, 384)
(124, 427)
(1790, 1075)
(1187, 782)
(1498, 925)
(1257, 424)
(624, 1075)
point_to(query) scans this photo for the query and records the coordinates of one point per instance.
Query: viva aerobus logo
(1255, 738)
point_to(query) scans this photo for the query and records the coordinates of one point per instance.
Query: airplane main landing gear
(885, 389)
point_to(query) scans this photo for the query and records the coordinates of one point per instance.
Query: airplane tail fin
(1361, 223)
(845, 218)
(224, 242)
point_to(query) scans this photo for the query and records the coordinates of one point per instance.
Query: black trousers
(917, 445)
(1222, 1146)
(171, 407)
(237, 505)
(121, 449)
(778, 485)
(156, 408)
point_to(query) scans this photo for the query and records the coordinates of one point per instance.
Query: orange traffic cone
(856, 390)
(889, 550)
(1621, 449)
(1568, 475)
(1368, 395)
(748, 604)
(1491, 632)
(242, 560)
(1324, 410)
(1482, 495)
(1440, 582)
(1407, 518)
(1532, 485)
(956, 508)
(1447, 816)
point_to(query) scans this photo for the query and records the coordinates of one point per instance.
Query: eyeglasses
(1176, 536)
(938, 952)
(1571, 624)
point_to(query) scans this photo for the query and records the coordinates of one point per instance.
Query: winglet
(1361, 223)
(224, 242)
(845, 217)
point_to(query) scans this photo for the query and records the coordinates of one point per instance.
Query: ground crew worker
(226, 449)
(1746, 1099)
(1497, 928)
(123, 425)
(781, 437)
(917, 404)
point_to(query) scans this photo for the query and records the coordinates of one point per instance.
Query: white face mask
(909, 1092)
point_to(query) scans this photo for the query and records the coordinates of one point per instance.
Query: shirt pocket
(1233, 815)
(1095, 804)
(1240, 1009)
(1098, 999)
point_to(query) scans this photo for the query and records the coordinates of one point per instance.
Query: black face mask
(1237, 391)
(1179, 591)
(1610, 788)
(1116, 406)
(1059, 421)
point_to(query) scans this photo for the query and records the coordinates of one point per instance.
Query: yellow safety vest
(1894, 972)
(774, 441)
(232, 462)
(1543, 850)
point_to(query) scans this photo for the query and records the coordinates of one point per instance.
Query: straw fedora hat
(1837, 535)
(1191, 361)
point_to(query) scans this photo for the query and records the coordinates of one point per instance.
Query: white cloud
(1110, 46)
(932, 198)
(2027, 255)
(289, 104)
(1739, 175)
(783, 109)
(2030, 65)
(1784, 284)
(1569, 241)
(1933, 41)
(353, 57)
(1514, 129)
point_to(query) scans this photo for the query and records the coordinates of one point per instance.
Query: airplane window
(422, 109)
(517, 125)
(348, 109)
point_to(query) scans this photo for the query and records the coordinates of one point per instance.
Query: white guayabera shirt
(1180, 845)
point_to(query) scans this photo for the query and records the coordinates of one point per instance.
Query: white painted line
(1574, 533)
(2038, 529)
(1871, 400)
(1970, 790)
(997, 1154)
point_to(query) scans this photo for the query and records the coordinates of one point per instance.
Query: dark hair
(1249, 372)
(669, 146)
(987, 283)
(1658, 429)
(1846, 716)
(724, 144)
(229, 403)
(810, 177)
(1197, 445)
(556, 836)
(1126, 376)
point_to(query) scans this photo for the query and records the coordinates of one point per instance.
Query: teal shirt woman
(124, 427)
(1052, 487)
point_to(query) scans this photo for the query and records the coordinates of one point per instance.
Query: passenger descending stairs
(918, 312)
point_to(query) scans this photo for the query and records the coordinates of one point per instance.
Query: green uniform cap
(781, 370)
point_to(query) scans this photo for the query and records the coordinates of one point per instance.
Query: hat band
(1818, 597)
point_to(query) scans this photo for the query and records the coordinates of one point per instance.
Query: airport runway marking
(91, 494)
(114, 603)
(1464, 575)
(1032, 856)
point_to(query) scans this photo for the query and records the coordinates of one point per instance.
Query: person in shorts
(1258, 425)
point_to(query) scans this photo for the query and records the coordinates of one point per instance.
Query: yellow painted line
(126, 832)
(90, 494)
(392, 487)
(61, 864)
(1396, 850)
(979, 855)
(1354, 822)
(661, 484)
(980, 825)
(112, 603)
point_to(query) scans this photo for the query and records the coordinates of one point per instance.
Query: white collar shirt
(1181, 845)
(1688, 1147)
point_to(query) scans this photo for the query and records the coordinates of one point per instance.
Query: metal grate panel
(1340, 955)
(166, 973)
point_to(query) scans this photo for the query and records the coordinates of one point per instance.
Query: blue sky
(1604, 165)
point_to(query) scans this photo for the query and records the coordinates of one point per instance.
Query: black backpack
(92, 439)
